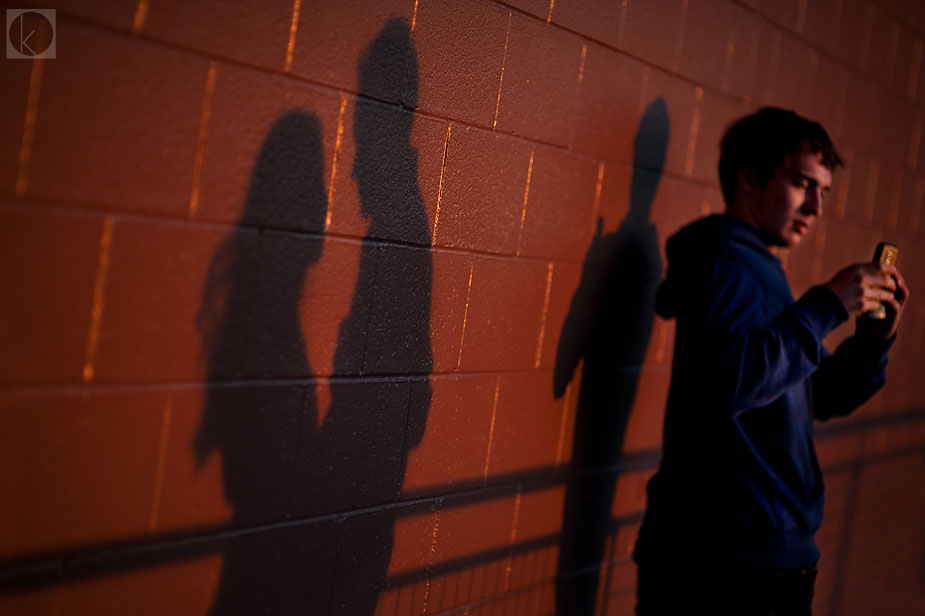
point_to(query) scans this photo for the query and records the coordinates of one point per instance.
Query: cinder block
(35, 602)
(81, 466)
(460, 54)
(505, 314)
(679, 98)
(455, 438)
(178, 587)
(717, 113)
(331, 291)
(398, 338)
(411, 556)
(852, 28)
(825, 98)
(541, 73)
(386, 185)
(708, 28)
(249, 32)
(138, 165)
(558, 219)
(608, 105)
(220, 302)
(820, 24)
(191, 492)
(652, 31)
(484, 186)
(558, 352)
(527, 424)
(479, 534)
(48, 263)
(269, 147)
(880, 60)
(754, 47)
(596, 19)
(331, 42)
(15, 77)
(281, 570)
(357, 456)
(247, 444)
(362, 570)
(795, 76)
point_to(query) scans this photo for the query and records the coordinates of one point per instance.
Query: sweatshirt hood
(696, 244)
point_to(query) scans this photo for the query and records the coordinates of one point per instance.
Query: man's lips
(800, 227)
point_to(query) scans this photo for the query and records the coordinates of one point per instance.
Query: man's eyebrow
(813, 181)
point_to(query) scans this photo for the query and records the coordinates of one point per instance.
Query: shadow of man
(323, 486)
(608, 326)
(374, 422)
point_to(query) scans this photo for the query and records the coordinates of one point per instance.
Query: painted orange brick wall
(285, 284)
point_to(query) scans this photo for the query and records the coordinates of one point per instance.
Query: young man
(737, 500)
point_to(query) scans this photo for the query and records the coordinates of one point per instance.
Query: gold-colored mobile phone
(884, 253)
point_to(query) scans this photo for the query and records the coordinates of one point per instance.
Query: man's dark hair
(760, 141)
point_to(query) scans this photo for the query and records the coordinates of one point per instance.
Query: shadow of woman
(609, 324)
(251, 331)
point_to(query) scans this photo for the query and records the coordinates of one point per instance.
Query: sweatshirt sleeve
(763, 355)
(849, 377)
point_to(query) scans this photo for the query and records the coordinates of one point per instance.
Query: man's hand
(865, 286)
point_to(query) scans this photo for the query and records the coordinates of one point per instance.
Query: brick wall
(294, 293)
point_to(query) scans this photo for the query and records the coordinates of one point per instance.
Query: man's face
(785, 207)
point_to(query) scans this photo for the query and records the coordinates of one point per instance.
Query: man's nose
(813, 203)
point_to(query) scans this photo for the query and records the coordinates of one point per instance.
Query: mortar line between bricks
(596, 207)
(162, 443)
(491, 429)
(293, 32)
(115, 387)
(34, 569)
(563, 424)
(509, 561)
(539, 343)
(431, 554)
(523, 211)
(695, 129)
(620, 28)
(730, 54)
(507, 37)
(96, 309)
(114, 30)
(462, 336)
(446, 148)
(581, 75)
(912, 87)
(204, 120)
(335, 158)
(141, 16)
(915, 140)
(29, 122)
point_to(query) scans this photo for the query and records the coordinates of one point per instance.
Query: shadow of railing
(99, 560)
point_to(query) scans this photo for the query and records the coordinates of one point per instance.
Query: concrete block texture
(316, 307)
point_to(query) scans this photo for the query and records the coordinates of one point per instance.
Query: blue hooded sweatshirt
(739, 479)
